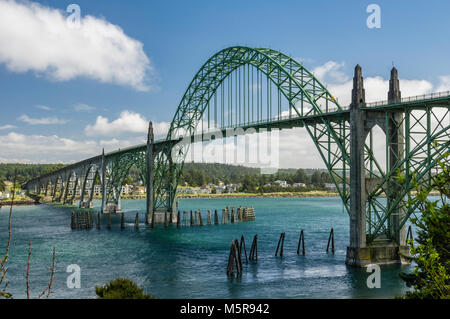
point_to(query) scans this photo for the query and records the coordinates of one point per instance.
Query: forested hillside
(25, 171)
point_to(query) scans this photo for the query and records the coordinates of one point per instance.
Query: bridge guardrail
(422, 97)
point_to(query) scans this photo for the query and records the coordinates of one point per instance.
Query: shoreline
(32, 202)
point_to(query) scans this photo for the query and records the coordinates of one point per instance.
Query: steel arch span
(306, 98)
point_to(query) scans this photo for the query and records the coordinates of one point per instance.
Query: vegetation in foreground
(121, 288)
(430, 279)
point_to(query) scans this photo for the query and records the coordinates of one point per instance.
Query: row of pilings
(84, 219)
(238, 251)
(229, 215)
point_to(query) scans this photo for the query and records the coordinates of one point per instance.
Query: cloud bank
(127, 122)
(38, 38)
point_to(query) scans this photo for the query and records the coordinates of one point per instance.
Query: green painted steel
(212, 89)
(255, 88)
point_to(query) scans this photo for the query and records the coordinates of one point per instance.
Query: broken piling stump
(136, 221)
(280, 241)
(301, 241)
(331, 238)
(254, 249)
(122, 221)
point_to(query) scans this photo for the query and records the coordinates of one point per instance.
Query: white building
(299, 185)
(282, 183)
(330, 186)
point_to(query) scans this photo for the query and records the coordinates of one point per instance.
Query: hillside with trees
(194, 174)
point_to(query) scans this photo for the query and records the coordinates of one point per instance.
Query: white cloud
(83, 108)
(128, 122)
(7, 127)
(444, 83)
(41, 121)
(330, 72)
(37, 38)
(44, 107)
(54, 149)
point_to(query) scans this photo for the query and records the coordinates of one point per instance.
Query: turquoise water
(190, 262)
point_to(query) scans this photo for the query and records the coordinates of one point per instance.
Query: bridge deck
(284, 122)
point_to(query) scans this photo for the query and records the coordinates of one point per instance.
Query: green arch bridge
(242, 90)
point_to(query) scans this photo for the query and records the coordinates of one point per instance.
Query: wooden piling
(223, 216)
(92, 219)
(301, 241)
(232, 215)
(108, 221)
(239, 255)
(254, 249)
(209, 217)
(331, 238)
(200, 218)
(122, 221)
(136, 221)
(192, 219)
(233, 260)
(178, 219)
(166, 222)
(72, 221)
(280, 241)
(245, 249)
(230, 262)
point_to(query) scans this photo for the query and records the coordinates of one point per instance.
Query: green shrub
(121, 288)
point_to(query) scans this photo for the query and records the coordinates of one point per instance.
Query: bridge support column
(149, 216)
(103, 181)
(388, 248)
(396, 149)
(357, 254)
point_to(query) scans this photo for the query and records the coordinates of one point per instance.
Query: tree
(121, 288)
(316, 178)
(301, 177)
(249, 184)
(2, 186)
(431, 277)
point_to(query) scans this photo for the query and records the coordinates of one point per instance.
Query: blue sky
(50, 111)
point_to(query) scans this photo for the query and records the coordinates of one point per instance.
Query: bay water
(191, 262)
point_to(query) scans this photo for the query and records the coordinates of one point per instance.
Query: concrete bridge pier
(153, 216)
(381, 250)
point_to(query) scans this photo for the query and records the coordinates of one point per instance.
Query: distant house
(330, 186)
(220, 189)
(97, 190)
(187, 190)
(204, 191)
(140, 190)
(232, 188)
(282, 183)
(299, 185)
(126, 189)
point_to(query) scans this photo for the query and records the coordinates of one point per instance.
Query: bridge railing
(422, 97)
(282, 118)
